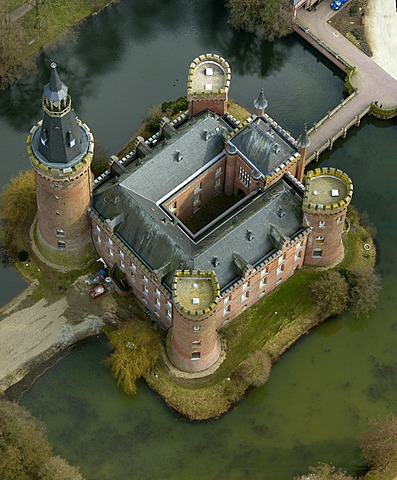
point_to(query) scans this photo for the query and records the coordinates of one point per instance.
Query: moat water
(322, 391)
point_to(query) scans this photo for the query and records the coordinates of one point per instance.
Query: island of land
(44, 320)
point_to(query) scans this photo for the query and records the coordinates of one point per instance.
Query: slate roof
(262, 146)
(60, 140)
(245, 233)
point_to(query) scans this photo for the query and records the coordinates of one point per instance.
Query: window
(173, 206)
(339, 219)
(245, 296)
(122, 265)
(228, 299)
(61, 245)
(158, 304)
(279, 280)
(218, 171)
(110, 252)
(198, 187)
(281, 259)
(145, 279)
(121, 254)
(145, 289)
(157, 292)
(56, 197)
(197, 199)
(227, 310)
(261, 294)
(218, 182)
(196, 328)
(321, 223)
(196, 343)
(264, 272)
(196, 355)
(320, 239)
(110, 241)
(317, 252)
(57, 212)
(298, 256)
(99, 240)
(244, 177)
(280, 269)
(169, 314)
(298, 245)
(263, 282)
(246, 286)
(133, 268)
(60, 232)
(169, 304)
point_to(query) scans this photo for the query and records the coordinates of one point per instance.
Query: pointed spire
(303, 140)
(55, 90)
(260, 103)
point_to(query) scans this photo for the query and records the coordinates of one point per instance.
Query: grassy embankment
(273, 324)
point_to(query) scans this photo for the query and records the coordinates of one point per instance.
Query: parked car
(97, 291)
(337, 4)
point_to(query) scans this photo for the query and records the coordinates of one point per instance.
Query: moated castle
(201, 220)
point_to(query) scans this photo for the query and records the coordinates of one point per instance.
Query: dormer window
(44, 137)
(70, 139)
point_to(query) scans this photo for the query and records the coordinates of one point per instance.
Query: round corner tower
(195, 344)
(208, 84)
(328, 193)
(60, 149)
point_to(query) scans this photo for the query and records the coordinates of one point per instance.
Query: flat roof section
(208, 76)
(195, 293)
(326, 190)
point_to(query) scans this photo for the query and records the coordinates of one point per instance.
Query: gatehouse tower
(60, 149)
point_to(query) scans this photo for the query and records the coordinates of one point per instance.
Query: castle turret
(260, 104)
(60, 149)
(208, 84)
(328, 192)
(195, 344)
(303, 143)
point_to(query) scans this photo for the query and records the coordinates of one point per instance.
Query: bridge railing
(329, 114)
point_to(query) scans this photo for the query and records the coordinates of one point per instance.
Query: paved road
(372, 81)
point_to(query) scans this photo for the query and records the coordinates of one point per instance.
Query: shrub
(364, 288)
(353, 10)
(379, 445)
(18, 199)
(23, 256)
(256, 369)
(323, 471)
(136, 348)
(329, 294)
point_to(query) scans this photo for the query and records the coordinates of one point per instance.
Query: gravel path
(381, 23)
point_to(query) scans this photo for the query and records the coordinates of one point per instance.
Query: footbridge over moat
(370, 80)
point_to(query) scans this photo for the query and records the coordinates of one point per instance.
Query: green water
(314, 406)
(322, 391)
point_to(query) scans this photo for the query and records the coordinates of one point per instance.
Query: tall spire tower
(60, 149)
(260, 104)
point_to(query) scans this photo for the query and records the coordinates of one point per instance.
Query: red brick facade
(199, 192)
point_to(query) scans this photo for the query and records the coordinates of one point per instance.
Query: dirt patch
(350, 22)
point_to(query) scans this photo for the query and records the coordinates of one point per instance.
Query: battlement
(208, 75)
(327, 191)
(195, 292)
